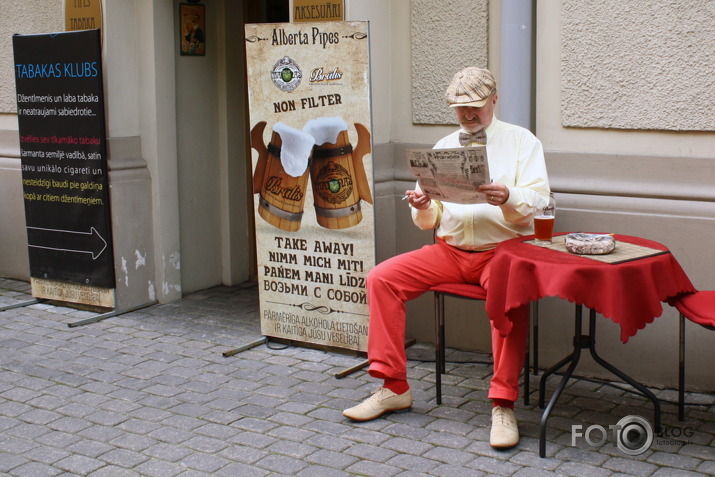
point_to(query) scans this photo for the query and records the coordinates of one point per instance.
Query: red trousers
(404, 277)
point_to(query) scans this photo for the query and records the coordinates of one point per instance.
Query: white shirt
(516, 159)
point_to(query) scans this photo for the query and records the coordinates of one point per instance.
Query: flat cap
(470, 87)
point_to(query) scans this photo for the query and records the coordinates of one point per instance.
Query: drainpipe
(516, 81)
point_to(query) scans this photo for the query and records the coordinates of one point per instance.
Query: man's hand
(497, 193)
(418, 199)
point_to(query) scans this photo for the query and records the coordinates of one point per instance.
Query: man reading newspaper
(466, 235)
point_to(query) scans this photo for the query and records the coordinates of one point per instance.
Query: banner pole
(94, 319)
(18, 305)
(359, 366)
(245, 347)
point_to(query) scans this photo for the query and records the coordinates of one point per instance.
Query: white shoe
(382, 401)
(505, 431)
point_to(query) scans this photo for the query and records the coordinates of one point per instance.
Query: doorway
(213, 148)
(267, 11)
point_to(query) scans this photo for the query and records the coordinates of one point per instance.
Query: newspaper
(451, 175)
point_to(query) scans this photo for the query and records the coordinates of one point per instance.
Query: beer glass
(544, 218)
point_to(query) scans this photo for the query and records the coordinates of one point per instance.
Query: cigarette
(406, 197)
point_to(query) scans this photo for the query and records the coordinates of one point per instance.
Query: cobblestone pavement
(150, 393)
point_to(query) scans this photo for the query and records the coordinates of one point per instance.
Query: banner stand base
(351, 370)
(19, 305)
(245, 347)
(101, 317)
(338, 375)
(286, 342)
(359, 366)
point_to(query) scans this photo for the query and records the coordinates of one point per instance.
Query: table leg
(573, 358)
(527, 364)
(583, 341)
(642, 389)
(681, 367)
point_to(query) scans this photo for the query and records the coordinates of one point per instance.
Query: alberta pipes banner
(60, 109)
(309, 93)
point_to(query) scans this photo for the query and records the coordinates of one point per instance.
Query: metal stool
(464, 291)
(698, 307)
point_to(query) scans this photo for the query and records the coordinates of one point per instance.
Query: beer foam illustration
(295, 149)
(325, 130)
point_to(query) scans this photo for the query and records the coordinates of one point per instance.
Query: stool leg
(438, 344)
(527, 362)
(533, 336)
(442, 337)
(535, 331)
(681, 370)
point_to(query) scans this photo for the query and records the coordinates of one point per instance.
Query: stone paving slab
(150, 393)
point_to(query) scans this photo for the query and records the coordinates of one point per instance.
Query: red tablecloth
(629, 293)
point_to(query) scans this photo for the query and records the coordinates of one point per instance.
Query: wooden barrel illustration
(339, 181)
(281, 196)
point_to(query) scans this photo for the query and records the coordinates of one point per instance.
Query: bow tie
(479, 136)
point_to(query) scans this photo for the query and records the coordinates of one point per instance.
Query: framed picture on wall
(192, 27)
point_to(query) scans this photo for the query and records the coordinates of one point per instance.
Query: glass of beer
(544, 218)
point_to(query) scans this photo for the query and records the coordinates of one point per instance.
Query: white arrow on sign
(67, 240)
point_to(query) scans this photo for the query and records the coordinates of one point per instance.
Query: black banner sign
(60, 108)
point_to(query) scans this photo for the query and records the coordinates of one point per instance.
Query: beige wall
(14, 258)
(440, 44)
(599, 136)
(31, 16)
(630, 64)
